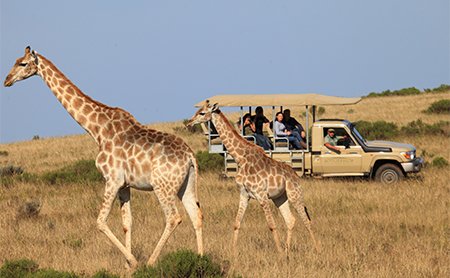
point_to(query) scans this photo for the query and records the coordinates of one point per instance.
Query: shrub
(193, 129)
(439, 107)
(4, 153)
(401, 92)
(379, 130)
(440, 89)
(83, 171)
(183, 263)
(439, 162)
(18, 268)
(209, 161)
(420, 128)
(105, 274)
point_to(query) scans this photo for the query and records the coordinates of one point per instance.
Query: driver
(331, 140)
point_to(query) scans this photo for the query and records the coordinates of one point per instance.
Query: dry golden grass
(365, 229)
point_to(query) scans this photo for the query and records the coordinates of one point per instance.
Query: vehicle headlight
(409, 155)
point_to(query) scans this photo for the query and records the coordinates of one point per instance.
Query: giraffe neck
(236, 145)
(90, 114)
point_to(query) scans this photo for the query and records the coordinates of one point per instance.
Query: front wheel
(389, 174)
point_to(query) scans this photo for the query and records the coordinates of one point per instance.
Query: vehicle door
(348, 160)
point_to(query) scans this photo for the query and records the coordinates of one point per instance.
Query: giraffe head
(24, 67)
(203, 114)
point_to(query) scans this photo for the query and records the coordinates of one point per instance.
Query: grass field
(365, 229)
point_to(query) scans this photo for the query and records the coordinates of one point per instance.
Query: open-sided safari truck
(387, 162)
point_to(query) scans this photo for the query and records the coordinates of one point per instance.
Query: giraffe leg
(188, 197)
(265, 204)
(125, 207)
(243, 203)
(296, 199)
(173, 219)
(112, 188)
(283, 205)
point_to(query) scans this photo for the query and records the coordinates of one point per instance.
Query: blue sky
(156, 59)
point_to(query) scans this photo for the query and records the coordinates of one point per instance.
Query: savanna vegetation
(50, 195)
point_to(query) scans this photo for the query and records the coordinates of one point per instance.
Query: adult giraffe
(130, 156)
(259, 177)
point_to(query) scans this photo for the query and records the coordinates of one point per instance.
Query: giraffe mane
(242, 139)
(78, 91)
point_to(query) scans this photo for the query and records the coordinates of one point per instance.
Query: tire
(389, 174)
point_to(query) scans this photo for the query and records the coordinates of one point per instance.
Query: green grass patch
(25, 268)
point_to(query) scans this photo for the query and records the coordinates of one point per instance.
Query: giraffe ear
(215, 107)
(34, 54)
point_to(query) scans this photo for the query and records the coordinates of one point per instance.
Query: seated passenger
(246, 125)
(281, 131)
(257, 126)
(295, 127)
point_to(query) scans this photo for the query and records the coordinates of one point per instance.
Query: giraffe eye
(22, 64)
(202, 113)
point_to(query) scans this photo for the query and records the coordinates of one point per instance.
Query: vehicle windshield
(356, 133)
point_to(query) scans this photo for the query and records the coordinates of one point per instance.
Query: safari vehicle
(387, 162)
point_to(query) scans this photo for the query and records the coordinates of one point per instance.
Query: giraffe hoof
(131, 265)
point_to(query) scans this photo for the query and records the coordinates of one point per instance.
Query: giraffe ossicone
(131, 155)
(259, 177)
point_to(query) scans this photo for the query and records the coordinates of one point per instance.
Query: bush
(439, 162)
(420, 128)
(83, 171)
(183, 263)
(193, 129)
(379, 130)
(104, 274)
(439, 107)
(18, 268)
(4, 153)
(440, 89)
(401, 92)
(209, 161)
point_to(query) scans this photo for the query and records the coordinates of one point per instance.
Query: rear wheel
(389, 174)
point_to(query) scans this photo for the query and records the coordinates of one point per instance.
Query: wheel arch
(380, 162)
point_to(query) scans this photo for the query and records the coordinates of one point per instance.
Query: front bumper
(413, 166)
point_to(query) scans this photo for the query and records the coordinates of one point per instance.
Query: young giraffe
(130, 156)
(259, 177)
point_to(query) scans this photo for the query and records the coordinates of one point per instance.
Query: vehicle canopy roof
(279, 100)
